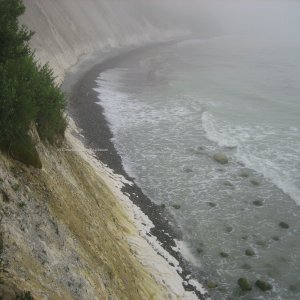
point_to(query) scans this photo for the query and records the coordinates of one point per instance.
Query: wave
(274, 154)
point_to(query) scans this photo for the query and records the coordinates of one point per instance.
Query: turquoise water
(171, 110)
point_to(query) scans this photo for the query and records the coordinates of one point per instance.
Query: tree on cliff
(28, 93)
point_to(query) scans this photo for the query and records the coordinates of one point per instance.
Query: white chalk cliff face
(67, 29)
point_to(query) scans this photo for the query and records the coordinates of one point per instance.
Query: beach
(96, 135)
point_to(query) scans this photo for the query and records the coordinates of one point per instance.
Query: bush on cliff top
(28, 93)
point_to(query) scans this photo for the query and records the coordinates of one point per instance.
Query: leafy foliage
(28, 93)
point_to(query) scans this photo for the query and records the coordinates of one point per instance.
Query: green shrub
(28, 93)
(51, 102)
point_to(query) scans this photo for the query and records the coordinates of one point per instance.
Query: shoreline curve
(95, 133)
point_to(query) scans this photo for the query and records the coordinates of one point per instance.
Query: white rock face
(65, 30)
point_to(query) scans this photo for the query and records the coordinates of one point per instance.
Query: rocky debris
(199, 150)
(221, 158)
(212, 204)
(294, 287)
(261, 243)
(249, 252)
(244, 174)
(244, 284)
(284, 225)
(263, 285)
(200, 250)
(255, 182)
(228, 229)
(276, 238)
(246, 266)
(224, 254)
(187, 170)
(176, 206)
(228, 183)
(258, 202)
(211, 285)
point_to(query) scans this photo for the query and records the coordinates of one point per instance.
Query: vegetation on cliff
(28, 93)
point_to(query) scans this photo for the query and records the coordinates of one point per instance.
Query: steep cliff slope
(64, 232)
(67, 29)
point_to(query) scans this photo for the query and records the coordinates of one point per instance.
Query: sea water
(172, 109)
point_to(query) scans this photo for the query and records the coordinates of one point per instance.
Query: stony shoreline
(96, 134)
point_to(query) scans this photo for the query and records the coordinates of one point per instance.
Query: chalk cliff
(68, 29)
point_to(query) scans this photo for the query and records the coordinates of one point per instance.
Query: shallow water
(171, 110)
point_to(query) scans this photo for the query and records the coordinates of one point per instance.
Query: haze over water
(172, 109)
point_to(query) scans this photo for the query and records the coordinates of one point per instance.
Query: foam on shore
(157, 261)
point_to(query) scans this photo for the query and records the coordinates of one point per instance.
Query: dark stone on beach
(255, 182)
(261, 243)
(263, 285)
(276, 238)
(200, 250)
(211, 285)
(258, 203)
(249, 252)
(284, 225)
(294, 287)
(228, 229)
(212, 204)
(200, 149)
(221, 158)
(224, 254)
(244, 174)
(187, 170)
(176, 206)
(244, 284)
(285, 259)
(246, 267)
(228, 183)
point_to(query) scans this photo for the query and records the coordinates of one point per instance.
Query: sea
(173, 108)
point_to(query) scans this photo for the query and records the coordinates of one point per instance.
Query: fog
(276, 19)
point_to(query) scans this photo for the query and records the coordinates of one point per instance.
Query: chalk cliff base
(68, 232)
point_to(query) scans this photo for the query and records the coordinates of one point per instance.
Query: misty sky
(275, 18)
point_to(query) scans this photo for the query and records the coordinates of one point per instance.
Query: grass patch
(24, 151)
